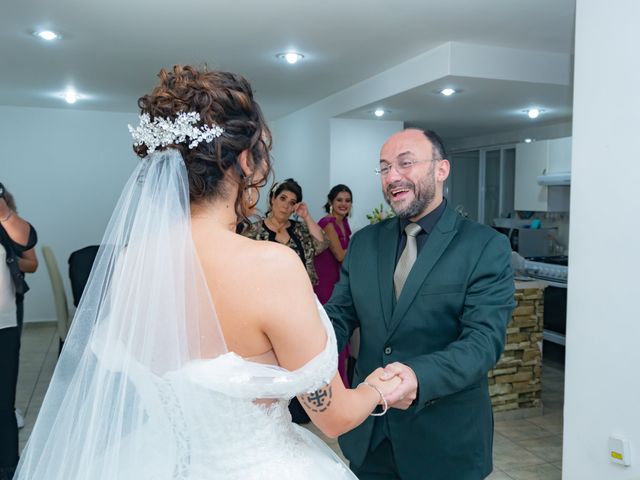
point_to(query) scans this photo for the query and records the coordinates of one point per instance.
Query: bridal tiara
(165, 131)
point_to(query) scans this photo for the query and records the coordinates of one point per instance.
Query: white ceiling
(480, 106)
(111, 50)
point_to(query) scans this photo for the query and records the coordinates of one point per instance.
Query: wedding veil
(145, 313)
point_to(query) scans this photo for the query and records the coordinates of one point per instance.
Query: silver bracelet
(7, 217)
(385, 406)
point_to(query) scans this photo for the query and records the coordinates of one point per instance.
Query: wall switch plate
(619, 450)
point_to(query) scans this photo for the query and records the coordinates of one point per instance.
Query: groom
(432, 293)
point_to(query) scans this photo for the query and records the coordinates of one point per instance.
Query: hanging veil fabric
(145, 387)
(146, 311)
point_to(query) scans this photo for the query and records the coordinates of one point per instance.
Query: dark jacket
(448, 325)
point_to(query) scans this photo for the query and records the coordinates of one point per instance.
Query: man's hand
(404, 394)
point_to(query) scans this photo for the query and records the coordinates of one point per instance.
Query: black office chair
(80, 263)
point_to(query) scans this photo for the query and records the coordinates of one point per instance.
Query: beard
(424, 193)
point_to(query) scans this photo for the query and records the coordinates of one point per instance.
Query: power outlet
(619, 450)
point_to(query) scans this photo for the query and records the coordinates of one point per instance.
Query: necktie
(407, 258)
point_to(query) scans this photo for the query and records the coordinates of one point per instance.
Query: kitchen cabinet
(539, 158)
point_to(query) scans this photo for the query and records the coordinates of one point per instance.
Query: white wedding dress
(230, 420)
(145, 388)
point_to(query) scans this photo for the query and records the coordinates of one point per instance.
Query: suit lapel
(387, 246)
(437, 243)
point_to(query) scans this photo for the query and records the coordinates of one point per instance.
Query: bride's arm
(335, 409)
(293, 325)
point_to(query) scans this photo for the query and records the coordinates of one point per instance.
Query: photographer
(17, 256)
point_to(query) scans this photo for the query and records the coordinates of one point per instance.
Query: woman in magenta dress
(336, 227)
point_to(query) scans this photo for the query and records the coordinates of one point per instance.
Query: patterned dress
(300, 240)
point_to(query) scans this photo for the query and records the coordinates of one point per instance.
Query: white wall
(602, 383)
(301, 151)
(66, 169)
(355, 153)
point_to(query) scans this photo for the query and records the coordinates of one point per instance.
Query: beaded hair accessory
(165, 131)
(274, 188)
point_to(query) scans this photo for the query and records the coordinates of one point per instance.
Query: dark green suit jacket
(448, 325)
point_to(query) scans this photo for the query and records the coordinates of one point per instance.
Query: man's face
(410, 186)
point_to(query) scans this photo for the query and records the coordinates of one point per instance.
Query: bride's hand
(385, 386)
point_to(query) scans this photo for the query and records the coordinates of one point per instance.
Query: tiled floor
(528, 449)
(38, 354)
(532, 448)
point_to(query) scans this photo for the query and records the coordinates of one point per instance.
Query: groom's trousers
(379, 464)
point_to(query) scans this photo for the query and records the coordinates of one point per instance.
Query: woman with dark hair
(17, 256)
(190, 339)
(306, 238)
(336, 227)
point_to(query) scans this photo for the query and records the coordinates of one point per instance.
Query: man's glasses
(401, 167)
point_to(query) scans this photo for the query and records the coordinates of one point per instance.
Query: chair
(59, 295)
(80, 263)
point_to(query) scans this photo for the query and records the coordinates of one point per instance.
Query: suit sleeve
(340, 306)
(487, 310)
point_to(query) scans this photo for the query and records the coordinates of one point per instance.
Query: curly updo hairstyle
(221, 98)
(333, 193)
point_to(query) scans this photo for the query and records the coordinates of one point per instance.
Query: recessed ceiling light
(528, 140)
(71, 96)
(447, 92)
(379, 112)
(533, 112)
(47, 35)
(290, 57)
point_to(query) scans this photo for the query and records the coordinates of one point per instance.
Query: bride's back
(232, 269)
(249, 283)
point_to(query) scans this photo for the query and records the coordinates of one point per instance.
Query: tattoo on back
(319, 400)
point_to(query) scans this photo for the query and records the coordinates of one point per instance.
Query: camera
(1, 190)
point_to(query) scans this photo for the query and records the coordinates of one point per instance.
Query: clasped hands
(397, 382)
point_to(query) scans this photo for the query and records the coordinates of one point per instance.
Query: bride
(190, 340)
